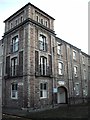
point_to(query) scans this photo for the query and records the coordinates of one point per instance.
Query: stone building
(40, 69)
(71, 73)
(89, 27)
(1, 66)
(29, 35)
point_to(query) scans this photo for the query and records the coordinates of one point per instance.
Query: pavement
(76, 111)
(25, 112)
(16, 112)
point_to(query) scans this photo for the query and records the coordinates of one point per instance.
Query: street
(63, 112)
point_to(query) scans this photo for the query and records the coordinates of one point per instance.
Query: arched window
(43, 65)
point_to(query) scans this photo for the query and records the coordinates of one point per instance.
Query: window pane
(46, 23)
(44, 39)
(16, 39)
(14, 90)
(21, 18)
(41, 94)
(40, 38)
(0, 69)
(14, 66)
(12, 86)
(41, 86)
(60, 71)
(41, 60)
(59, 49)
(45, 86)
(45, 93)
(42, 21)
(45, 65)
(84, 74)
(14, 44)
(41, 65)
(13, 94)
(12, 62)
(43, 90)
(1, 50)
(42, 43)
(60, 68)
(15, 86)
(77, 89)
(74, 55)
(15, 61)
(37, 18)
(74, 69)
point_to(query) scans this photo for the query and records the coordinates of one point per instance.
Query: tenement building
(1, 66)
(40, 69)
(70, 73)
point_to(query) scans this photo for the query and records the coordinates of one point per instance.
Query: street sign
(54, 90)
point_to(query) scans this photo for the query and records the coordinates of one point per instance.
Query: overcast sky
(71, 18)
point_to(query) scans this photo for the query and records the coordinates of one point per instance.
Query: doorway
(62, 95)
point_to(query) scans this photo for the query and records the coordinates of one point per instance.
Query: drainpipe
(72, 74)
(81, 75)
(52, 52)
(67, 73)
(53, 64)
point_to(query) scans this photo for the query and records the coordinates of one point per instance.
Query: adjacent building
(40, 70)
(1, 69)
(89, 43)
(71, 73)
(89, 27)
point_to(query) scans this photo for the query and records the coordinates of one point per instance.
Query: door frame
(66, 97)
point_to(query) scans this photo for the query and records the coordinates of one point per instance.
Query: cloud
(71, 17)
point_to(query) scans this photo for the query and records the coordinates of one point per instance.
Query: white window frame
(11, 25)
(14, 63)
(21, 18)
(77, 89)
(43, 91)
(1, 50)
(84, 74)
(85, 90)
(58, 49)
(1, 69)
(43, 65)
(76, 71)
(16, 22)
(15, 43)
(37, 18)
(74, 55)
(42, 42)
(83, 60)
(60, 68)
(46, 23)
(15, 91)
(42, 21)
